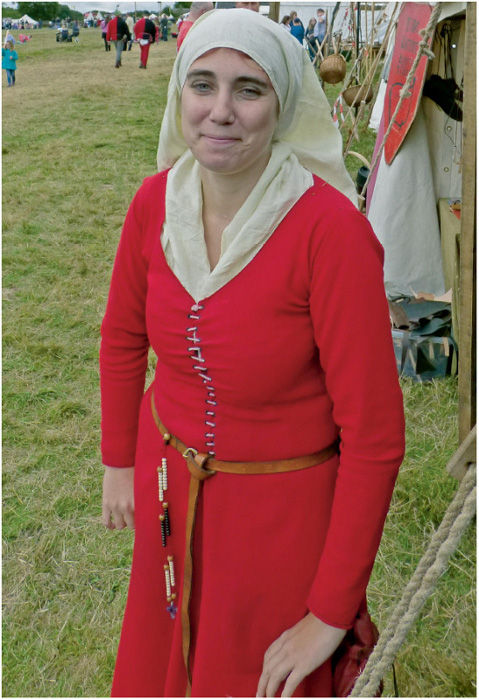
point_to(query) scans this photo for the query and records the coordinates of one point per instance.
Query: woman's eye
(250, 92)
(201, 87)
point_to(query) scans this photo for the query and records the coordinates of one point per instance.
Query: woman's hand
(296, 654)
(118, 509)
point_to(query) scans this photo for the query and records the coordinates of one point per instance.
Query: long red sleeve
(352, 331)
(124, 346)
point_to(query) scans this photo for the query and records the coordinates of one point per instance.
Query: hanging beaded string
(166, 519)
(162, 487)
(162, 479)
(170, 583)
(164, 473)
(165, 524)
(163, 530)
(172, 570)
(167, 581)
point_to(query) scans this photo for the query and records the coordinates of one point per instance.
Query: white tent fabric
(307, 10)
(377, 111)
(403, 214)
(27, 20)
(403, 205)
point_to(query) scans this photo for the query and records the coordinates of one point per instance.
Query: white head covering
(305, 141)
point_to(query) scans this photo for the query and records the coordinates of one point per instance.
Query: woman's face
(229, 111)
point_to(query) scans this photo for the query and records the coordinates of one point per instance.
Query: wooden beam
(467, 282)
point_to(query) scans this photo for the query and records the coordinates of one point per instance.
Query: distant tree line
(47, 11)
(42, 11)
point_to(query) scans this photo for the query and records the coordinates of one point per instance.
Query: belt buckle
(191, 453)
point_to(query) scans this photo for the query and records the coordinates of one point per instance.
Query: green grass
(78, 137)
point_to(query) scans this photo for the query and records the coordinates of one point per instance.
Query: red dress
(294, 350)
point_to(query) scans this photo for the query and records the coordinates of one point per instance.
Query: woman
(259, 285)
(103, 27)
(297, 30)
(309, 36)
(292, 16)
(9, 62)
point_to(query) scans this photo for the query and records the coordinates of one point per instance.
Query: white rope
(431, 566)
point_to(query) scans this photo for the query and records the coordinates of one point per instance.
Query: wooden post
(463, 457)
(467, 282)
(274, 11)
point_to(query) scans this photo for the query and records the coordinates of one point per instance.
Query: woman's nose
(222, 108)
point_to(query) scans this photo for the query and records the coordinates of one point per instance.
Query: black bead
(167, 522)
(163, 532)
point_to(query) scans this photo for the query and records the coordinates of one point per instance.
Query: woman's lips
(220, 140)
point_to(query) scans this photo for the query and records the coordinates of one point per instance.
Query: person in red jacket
(117, 31)
(196, 10)
(258, 466)
(146, 32)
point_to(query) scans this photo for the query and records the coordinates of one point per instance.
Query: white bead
(167, 582)
(172, 572)
(164, 473)
(160, 484)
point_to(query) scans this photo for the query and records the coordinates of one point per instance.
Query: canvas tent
(403, 197)
(28, 20)
(343, 17)
(428, 248)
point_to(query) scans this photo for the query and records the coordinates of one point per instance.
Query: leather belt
(203, 466)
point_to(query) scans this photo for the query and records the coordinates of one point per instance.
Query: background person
(9, 62)
(309, 36)
(255, 297)
(9, 37)
(297, 30)
(321, 26)
(164, 27)
(117, 31)
(75, 32)
(292, 16)
(130, 24)
(146, 32)
(103, 27)
(248, 6)
(196, 10)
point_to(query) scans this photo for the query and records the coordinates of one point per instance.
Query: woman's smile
(220, 139)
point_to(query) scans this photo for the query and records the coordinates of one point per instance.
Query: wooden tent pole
(467, 282)
(353, 17)
(368, 48)
(370, 77)
(274, 11)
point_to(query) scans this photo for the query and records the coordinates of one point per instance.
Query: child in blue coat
(9, 62)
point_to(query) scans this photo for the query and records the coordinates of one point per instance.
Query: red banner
(414, 16)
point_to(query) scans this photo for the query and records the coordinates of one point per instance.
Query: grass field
(78, 137)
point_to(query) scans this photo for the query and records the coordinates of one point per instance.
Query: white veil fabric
(305, 141)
